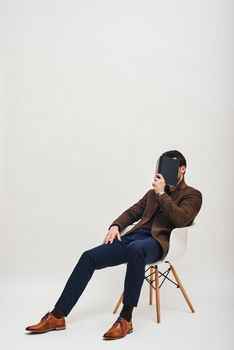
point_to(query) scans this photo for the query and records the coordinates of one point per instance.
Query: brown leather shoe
(119, 329)
(48, 323)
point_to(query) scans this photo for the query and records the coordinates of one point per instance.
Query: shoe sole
(122, 336)
(48, 330)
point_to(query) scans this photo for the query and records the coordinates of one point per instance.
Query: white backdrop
(91, 93)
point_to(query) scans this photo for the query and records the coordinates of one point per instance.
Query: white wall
(92, 92)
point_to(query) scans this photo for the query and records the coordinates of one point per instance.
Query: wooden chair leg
(150, 285)
(182, 288)
(118, 304)
(157, 294)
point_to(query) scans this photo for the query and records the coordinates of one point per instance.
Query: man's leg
(104, 255)
(99, 257)
(132, 249)
(139, 253)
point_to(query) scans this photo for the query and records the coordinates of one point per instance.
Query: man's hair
(177, 155)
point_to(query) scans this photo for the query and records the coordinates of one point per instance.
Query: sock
(57, 312)
(126, 312)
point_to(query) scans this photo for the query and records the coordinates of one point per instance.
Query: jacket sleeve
(184, 213)
(132, 214)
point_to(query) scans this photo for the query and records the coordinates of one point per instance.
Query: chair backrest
(177, 242)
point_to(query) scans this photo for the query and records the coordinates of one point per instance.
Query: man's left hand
(158, 183)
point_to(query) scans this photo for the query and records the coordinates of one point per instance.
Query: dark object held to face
(168, 168)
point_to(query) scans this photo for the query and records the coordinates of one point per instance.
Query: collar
(180, 185)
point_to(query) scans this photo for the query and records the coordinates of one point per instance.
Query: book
(168, 168)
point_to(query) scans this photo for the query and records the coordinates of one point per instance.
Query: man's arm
(184, 213)
(132, 214)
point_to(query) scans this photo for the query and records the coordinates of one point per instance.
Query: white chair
(177, 245)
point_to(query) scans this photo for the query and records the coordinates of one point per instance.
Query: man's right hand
(111, 234)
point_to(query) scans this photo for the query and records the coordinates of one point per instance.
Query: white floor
(210, 327)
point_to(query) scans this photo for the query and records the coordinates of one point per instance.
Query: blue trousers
(137, 249)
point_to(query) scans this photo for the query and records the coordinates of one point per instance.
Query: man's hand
(158, 183)
(111, 234)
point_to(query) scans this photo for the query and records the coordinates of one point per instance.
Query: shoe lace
(45, 316)
(119, 320)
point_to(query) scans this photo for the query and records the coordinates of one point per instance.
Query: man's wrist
(114, 225)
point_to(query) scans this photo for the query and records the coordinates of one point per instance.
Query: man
(160, 210)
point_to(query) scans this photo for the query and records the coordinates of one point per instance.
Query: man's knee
(93, 259)
(88, 256)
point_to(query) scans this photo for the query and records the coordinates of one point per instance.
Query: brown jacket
(177, 207)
